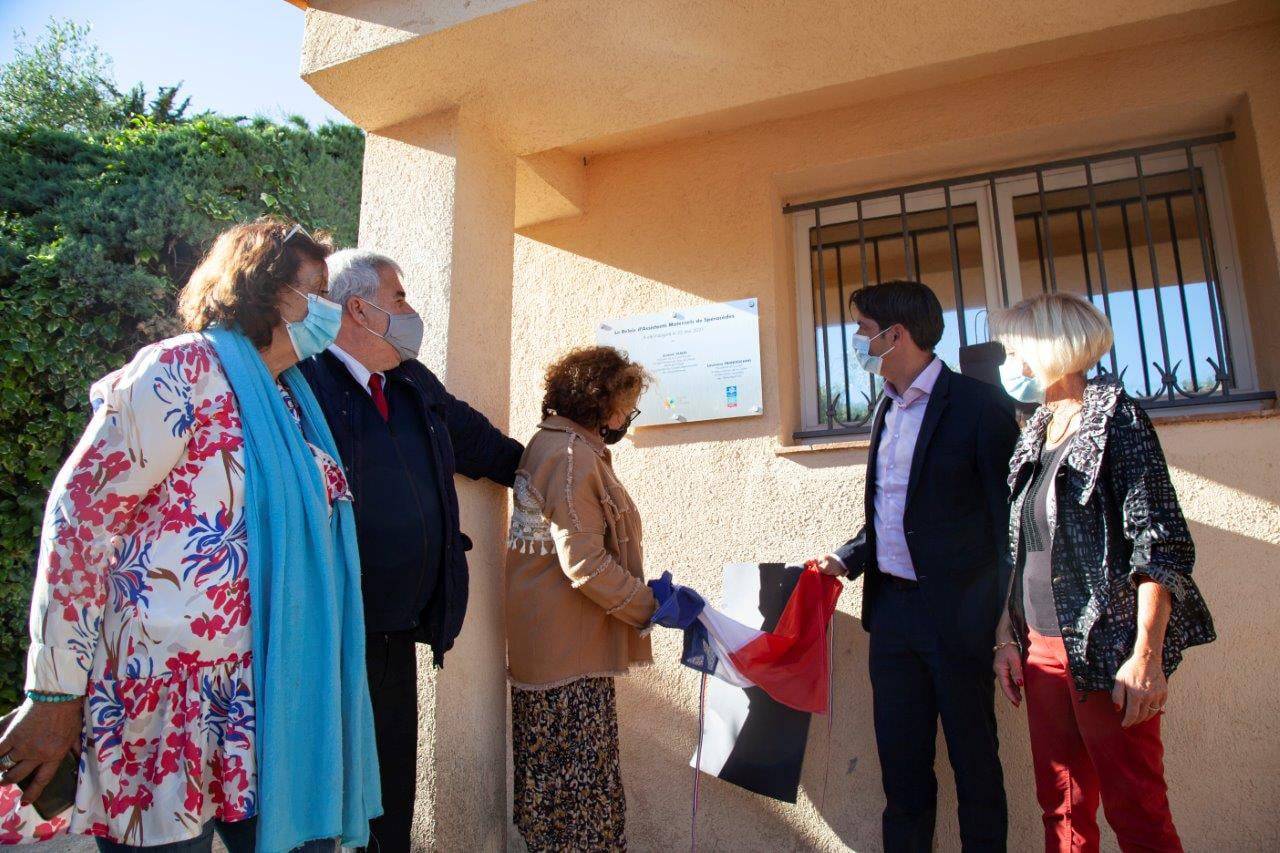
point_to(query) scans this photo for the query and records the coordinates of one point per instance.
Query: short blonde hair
(1056, 334)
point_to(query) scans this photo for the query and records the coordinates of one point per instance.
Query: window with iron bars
(1145, 234)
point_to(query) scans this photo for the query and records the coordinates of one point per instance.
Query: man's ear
(352, 304)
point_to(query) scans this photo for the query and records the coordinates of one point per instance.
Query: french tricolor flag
(766, 646)
(788, 662)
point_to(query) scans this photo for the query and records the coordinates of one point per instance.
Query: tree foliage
(64, 82)
(106, 203)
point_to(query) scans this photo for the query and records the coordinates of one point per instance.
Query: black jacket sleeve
(480, 448)
(1153, 521)
(854, 554)
(997, 436)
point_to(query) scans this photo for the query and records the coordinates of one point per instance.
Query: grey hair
(354, 272)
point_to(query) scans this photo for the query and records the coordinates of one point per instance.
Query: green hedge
(97, 233)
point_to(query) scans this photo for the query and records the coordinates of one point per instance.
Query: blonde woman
(576, 606)
(1102, 603)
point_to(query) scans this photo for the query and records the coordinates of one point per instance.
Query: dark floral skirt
(568, 783)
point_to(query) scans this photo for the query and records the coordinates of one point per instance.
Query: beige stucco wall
(439, 195)
(698, 220)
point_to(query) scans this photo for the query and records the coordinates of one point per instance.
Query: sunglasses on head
(294, 232)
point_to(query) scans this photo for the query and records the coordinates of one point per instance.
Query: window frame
(993, 196)
(965, 194)
(1218, 210)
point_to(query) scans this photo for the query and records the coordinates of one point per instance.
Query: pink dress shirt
(898, 437)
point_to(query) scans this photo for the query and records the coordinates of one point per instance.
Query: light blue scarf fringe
(316, 754)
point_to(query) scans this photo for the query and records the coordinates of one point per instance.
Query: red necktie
(379, 399)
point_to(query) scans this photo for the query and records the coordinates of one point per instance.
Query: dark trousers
(393, 686)
(914, 681)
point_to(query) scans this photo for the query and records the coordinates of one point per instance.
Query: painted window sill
(1160, 420)
(819, 447)
(1243, 414)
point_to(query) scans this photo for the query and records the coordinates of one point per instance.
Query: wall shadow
(818, 460)
(842, 772)
(648, 272)
(1248, 464)
(839, 782)
(698, 432)
(1222, 711)
(403, 17)
(654, 238)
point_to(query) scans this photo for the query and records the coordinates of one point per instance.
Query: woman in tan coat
(577, 607)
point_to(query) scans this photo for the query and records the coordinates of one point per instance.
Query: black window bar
(1066, 229)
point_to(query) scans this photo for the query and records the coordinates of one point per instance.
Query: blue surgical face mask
(314, 333)
(1019, 386)
(862, 351)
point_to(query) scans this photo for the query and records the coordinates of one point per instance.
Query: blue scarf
(316, 756)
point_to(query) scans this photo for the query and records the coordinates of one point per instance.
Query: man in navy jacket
(934, 558)
(402, 437)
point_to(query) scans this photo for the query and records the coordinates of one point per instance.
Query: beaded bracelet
(40, 696)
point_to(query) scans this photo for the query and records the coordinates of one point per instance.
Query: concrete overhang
(558, 81)
(594, 76)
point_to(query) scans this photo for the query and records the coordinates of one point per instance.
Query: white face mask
(1019, 386)
(862, 350)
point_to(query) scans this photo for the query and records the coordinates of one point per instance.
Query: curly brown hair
(238, 283)
(586, 385)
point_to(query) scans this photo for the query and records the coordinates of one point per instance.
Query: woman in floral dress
(141, 621)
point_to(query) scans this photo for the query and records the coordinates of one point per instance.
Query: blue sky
(238, 57)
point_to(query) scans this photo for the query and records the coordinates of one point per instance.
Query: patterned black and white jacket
(1117, 521)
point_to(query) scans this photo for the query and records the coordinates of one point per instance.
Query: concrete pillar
(1253, 171)
(439, 195)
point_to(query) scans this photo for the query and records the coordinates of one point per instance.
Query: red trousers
(1081, 755)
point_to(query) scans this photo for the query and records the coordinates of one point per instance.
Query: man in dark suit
(402, 437)
(934, 559)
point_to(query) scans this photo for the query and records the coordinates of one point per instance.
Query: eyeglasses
(294, 231)
(635, 413)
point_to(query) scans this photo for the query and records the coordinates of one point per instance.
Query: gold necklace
(1066, 427)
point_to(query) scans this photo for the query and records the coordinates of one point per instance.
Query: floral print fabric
(568, 780)
(141, 604)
